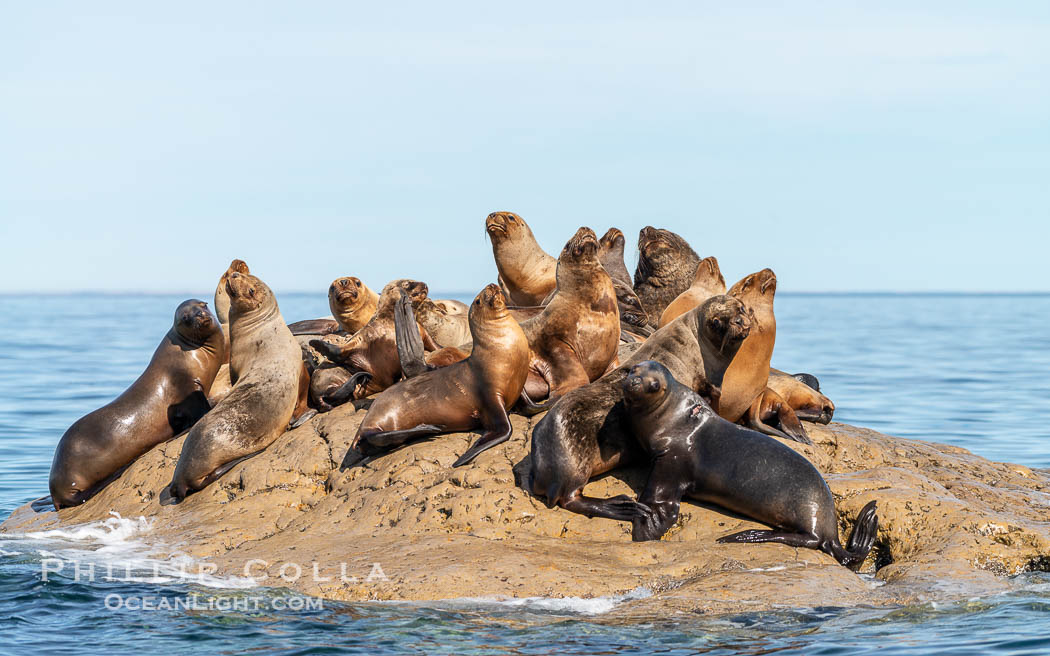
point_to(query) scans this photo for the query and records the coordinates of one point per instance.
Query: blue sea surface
(968, 370)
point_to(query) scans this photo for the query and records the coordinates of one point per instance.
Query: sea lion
(352, 302)
(633, 317)
(270, 386)
(586, 433)
(372, 350)
(222, 299)
(746, 397)
(666, 266)
(707, 282)
(573, 341)
(474, 392)
(168, 398)
(443, 321)
(802, 393)
(698, 454)
(526, 273)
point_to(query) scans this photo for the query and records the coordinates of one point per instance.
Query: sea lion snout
(499, 222)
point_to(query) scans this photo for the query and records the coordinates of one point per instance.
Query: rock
(951, 523)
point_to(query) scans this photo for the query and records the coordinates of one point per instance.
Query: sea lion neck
(520, 259)
(260, 315)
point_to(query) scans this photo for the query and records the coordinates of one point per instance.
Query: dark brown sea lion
(526, 272)
(746, 397)
(270, 386)
(475, 392)
(802, 393)
(707, 282)
(574, 339)
(372, 350)
(666, 266)
(610, 253)
(698, 454)
(168, 398)
(586, 433)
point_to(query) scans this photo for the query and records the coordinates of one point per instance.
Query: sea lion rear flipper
(410, 347)
(347, 390)
(315, 327)
(755, 536)
(302, 419)
(770, 404)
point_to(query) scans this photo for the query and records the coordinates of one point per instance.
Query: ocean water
(970, 370)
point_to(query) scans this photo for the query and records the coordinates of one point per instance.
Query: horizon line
(438, 293)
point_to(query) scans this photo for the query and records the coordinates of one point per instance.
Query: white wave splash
(570, 605)
(115, 549)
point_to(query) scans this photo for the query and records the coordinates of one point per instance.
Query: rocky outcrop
(951, 523)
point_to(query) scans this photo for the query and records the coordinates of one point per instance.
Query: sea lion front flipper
(620, 508)
(410, 346)
(663, 496)
(497, 432)
(315, 327)
(327, 349)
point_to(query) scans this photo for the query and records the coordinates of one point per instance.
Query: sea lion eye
(654, 385)
(716, 324)
(251, 292)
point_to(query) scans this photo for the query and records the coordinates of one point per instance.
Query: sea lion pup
(372, 350)
(169, 397)
(707, 282)
(666, 267)
(270, 385)
(460, 397)
(746, 397)
(698, 454)
(526, 272)
(802, 394)
(586, 433)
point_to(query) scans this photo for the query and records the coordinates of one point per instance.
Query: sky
(849, 146)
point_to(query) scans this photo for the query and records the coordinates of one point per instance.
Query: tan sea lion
(352, 302)
(586, 433)
(666, 267)
(574, 340)
(526, 273)
(746, 397)
(475, 392)
(372, 350)
(222, 298)
(707, 282)
(168, 398)
(802, 393)
(270, 387)
(696, 453)
(443, 321)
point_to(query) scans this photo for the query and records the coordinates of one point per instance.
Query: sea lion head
(583, 247)
(236, 266)
(709, 274)
(195, 322)
(247, 293)
(489, 304)
(646, 385)
(631, 310)
(344, 292)
(416, 291)
(613, 240)
(757, 285)
(505, 226)
(724, 323)
(659, 249)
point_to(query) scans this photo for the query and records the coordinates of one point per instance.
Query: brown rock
(951, 524)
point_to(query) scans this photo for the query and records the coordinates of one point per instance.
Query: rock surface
(952, 524)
